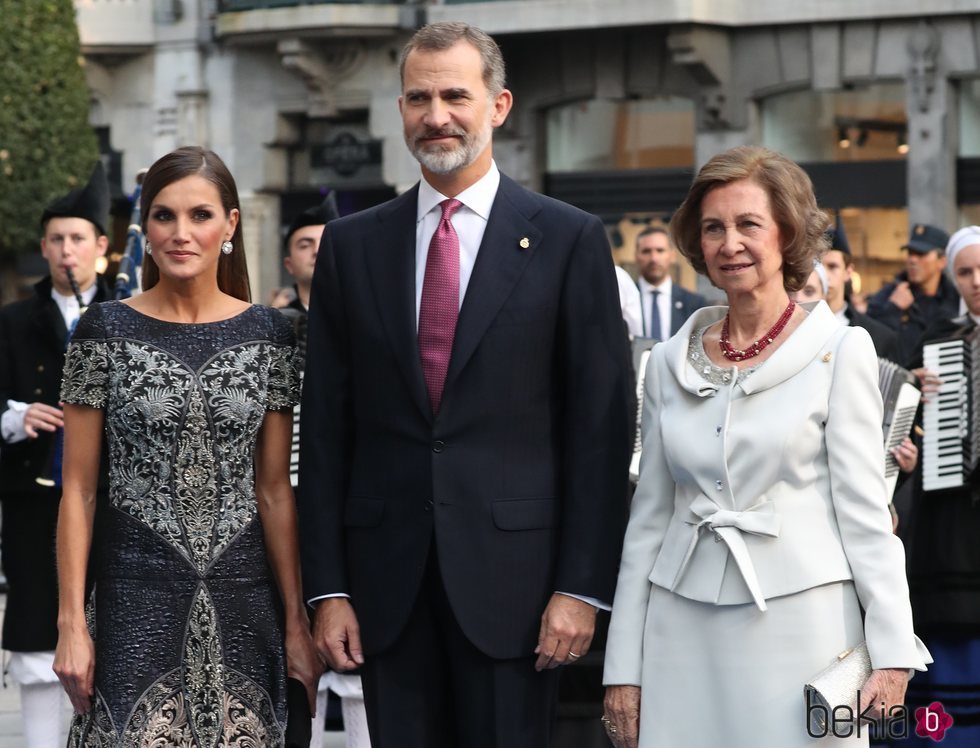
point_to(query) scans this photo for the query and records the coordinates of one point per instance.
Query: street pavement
(12, 736)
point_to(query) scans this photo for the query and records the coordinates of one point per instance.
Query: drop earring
(227, 247)
(147, 248)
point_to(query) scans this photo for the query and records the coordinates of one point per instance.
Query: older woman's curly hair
(801, 223)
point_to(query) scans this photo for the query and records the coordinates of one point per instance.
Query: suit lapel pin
(827, 356)
(524, 243)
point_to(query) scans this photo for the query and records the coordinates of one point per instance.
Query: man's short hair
(437, 37)
(650, 231)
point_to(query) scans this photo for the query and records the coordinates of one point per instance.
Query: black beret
(90, 202)
(318, 215)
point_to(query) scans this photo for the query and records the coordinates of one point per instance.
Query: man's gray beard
(448, 161)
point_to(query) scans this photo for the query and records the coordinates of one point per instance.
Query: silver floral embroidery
(152, 402)
(194, 481)
(203, 670)
(85, 374)
(95, 729)
(708, 369)
(162, 719)
(151, 709)
(286, 370)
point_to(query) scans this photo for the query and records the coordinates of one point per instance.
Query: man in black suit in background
(666, 306)
(464, 456)
(839, 264)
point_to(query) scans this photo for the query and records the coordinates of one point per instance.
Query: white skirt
(732, 675)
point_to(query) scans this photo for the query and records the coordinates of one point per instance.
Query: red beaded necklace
(734, 354)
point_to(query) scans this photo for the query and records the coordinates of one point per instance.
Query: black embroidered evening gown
(186, 617)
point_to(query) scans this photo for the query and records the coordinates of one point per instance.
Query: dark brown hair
(791, 200)
(194, 161)
(650, 231)
(436, 37)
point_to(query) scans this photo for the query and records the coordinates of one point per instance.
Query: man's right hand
(902, 296)
(40, 417)
(336, 634)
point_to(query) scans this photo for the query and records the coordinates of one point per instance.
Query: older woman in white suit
(759, 544)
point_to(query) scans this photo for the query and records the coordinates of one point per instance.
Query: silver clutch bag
(837, 685)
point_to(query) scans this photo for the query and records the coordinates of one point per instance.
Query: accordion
(900, 397)
(951, 444)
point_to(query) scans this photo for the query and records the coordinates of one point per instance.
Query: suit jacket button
(428, 505)
(37, 391)
(438, 446)
(40, 368)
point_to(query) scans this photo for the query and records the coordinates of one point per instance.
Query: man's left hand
(567, 627)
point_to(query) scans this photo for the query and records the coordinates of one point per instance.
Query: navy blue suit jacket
(520, 480)
(683, 304)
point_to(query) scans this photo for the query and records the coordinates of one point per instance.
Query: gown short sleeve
(284, 373)
(85, 377)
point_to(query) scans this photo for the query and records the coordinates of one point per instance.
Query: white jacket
(766, 488)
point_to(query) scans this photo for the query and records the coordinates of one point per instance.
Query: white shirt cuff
(590, 600)
(314, 600)
(12, 422)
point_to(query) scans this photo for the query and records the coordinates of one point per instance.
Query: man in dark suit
(839, 265)
(464, 456)
(32, 354)
(666, 305)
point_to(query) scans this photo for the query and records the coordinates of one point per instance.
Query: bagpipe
(128, 274)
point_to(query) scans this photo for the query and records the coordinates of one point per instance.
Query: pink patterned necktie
(440, 304)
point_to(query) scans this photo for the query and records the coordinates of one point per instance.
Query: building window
(864, 124)
(969, 119)
(600, 135)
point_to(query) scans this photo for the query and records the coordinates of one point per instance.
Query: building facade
(617, 102)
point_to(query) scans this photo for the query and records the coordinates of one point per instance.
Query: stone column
(932, 123)
(260, 213)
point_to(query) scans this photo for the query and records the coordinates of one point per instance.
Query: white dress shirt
(629, 302)
(470, 223)
(12, 421)
(663, 306)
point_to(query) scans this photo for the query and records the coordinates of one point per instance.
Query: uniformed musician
(33, 336)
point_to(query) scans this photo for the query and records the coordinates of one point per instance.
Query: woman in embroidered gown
(196, 614)
(759, 528)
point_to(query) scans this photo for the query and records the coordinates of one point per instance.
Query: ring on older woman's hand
(610, 727)
(572, 654)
